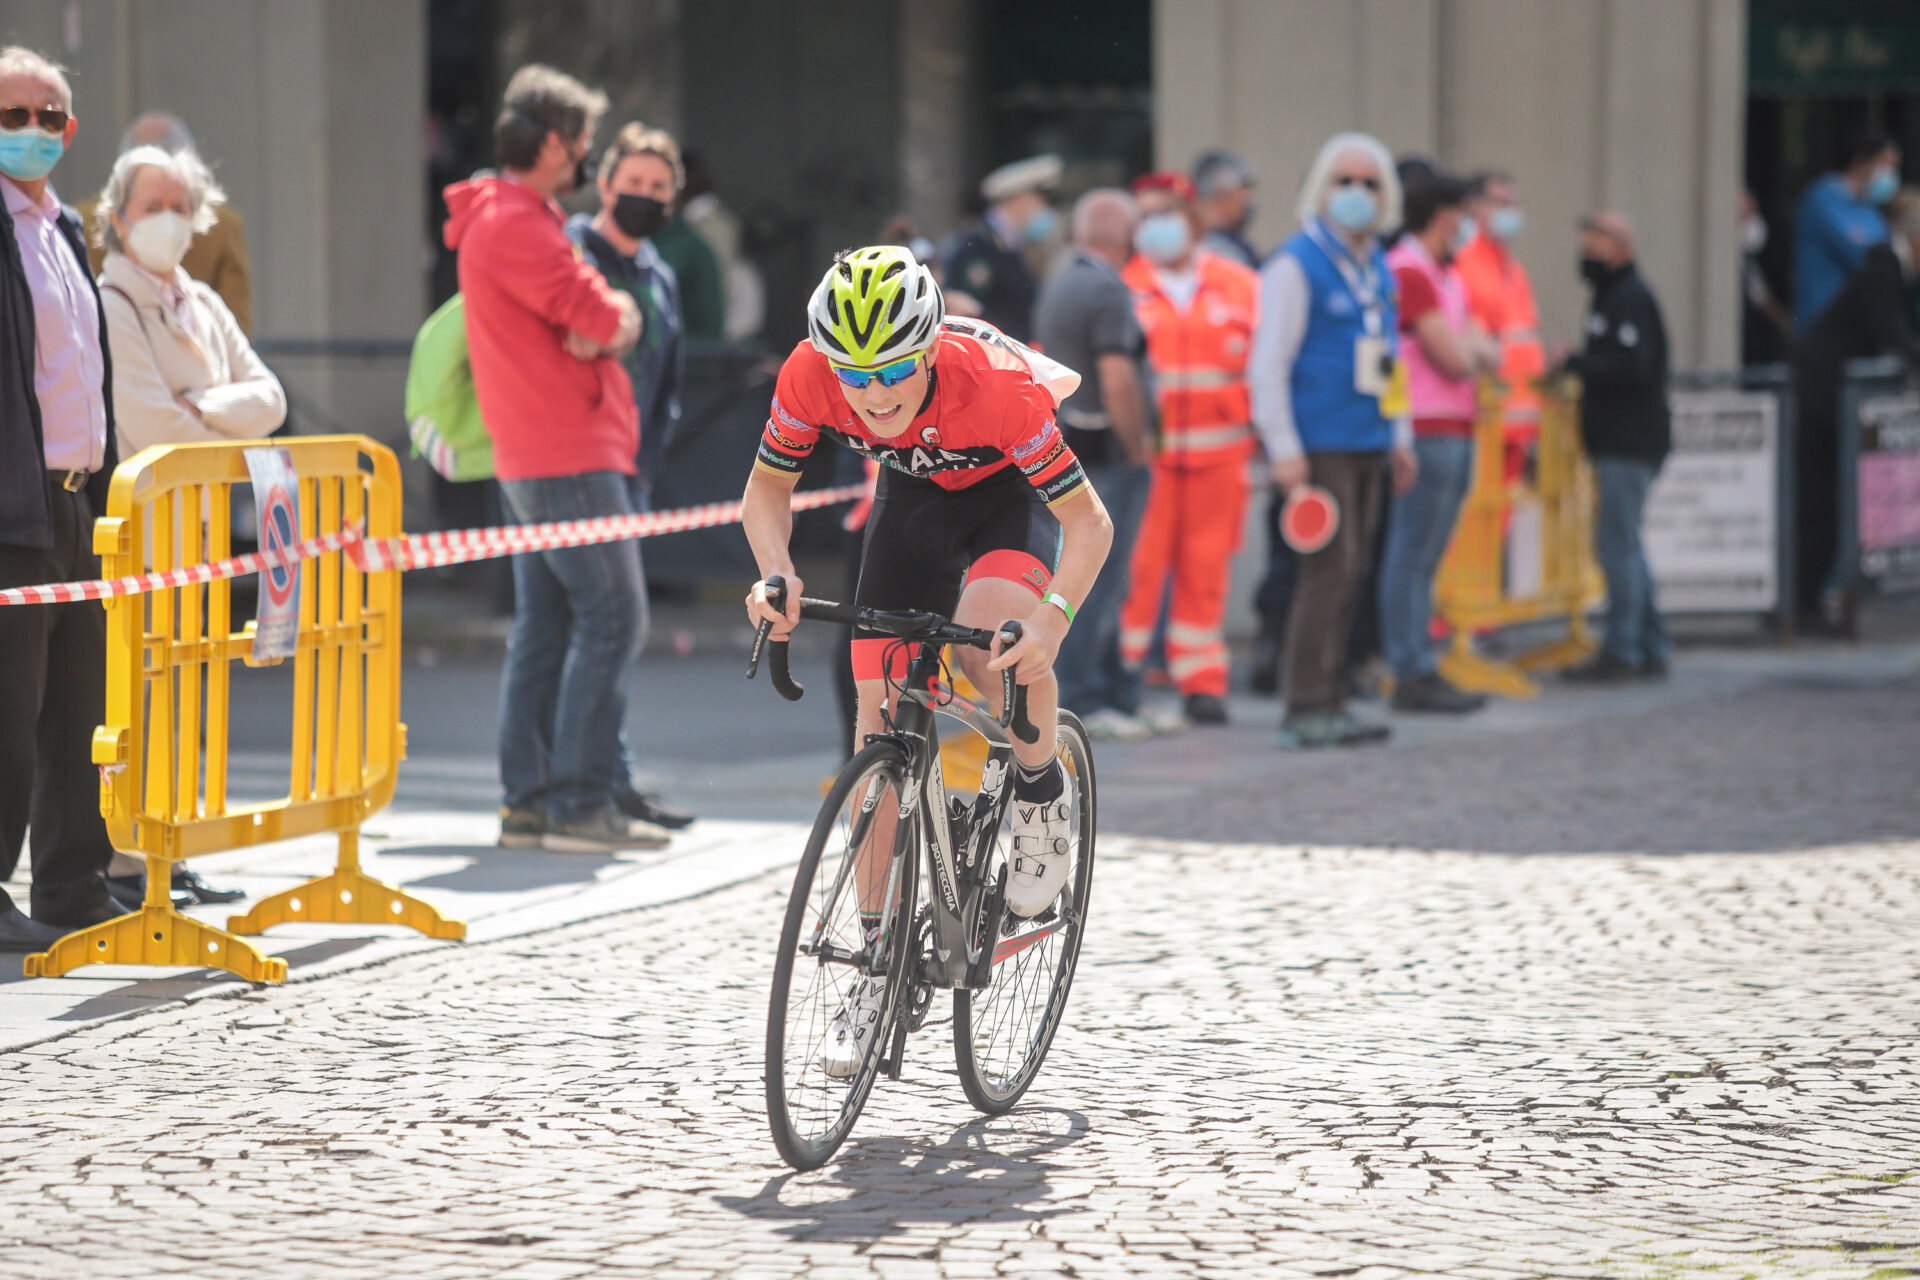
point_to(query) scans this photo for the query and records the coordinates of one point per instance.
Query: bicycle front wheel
(854, 865)
(1002, 1032)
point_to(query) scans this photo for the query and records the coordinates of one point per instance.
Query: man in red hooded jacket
(544, 334)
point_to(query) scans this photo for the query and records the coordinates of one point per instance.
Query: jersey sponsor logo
(784, 440)
(1063, 484)
(1030, 448)
(780, 413)
(1036, 577)
(922, 460)
(1039, 466)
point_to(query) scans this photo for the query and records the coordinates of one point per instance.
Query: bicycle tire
(1001, 1033)
(810, 1113)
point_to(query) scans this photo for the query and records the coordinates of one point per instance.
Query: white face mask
(159, 240)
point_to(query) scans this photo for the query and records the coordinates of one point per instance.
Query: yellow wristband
(1059, 602)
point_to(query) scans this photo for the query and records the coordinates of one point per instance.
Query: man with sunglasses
(56, 459)
(982, 514)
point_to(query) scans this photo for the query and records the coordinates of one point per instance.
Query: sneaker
(521, 828)
(1162, 720)
(1351, 731)
(604, 831)
(651, 808)
(1111, 725)
(1206, 708)
(1311, 732)
(1434, 692)
(853, 1027)
(1042, 855)
(1604, 669)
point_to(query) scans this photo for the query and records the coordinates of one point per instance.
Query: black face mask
(1594, 271)
(639, 216)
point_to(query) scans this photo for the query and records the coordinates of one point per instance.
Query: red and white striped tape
(421, 550)
(253, 562)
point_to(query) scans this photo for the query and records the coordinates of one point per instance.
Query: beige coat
(156, 362)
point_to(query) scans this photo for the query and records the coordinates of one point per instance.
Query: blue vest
(1329, 414)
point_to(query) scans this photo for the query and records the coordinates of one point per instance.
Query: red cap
(1166, 180)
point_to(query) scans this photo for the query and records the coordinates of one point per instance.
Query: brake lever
(1013, 700)
(777, 597)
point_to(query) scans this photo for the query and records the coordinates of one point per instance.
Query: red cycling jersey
(984, 411)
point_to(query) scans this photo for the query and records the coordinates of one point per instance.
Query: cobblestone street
(1335, 1058)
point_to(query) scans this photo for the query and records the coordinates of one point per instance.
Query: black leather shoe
(130, 893)
(187, 880)
(1605, 669)
(68, 921)
(646, 808)
(19, 932)
(1206, 708)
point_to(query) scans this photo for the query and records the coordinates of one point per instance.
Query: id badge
(1395, 402)
(1370, 365)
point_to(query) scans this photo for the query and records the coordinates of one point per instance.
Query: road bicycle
(888, 819)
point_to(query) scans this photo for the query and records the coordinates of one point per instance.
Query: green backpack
(443, 417)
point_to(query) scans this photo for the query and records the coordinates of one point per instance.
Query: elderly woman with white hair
(182, 369)
(1328, 401)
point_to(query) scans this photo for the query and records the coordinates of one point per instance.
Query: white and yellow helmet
(875, 306)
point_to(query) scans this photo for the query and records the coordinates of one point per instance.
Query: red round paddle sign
(1310, 519)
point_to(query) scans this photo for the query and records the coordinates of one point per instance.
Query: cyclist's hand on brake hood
(1032, 658)
(760, 610)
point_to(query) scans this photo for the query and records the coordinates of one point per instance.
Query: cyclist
(982, 514)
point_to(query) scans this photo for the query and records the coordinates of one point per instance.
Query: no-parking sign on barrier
(276, 495)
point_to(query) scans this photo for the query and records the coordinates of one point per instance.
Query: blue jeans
(1088, 665)
(1418, 527)
(579, 621)
(1635, 634)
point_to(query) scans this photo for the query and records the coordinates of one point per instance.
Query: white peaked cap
(1035, 173)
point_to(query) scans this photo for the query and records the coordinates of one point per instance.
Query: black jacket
(26, 520)
(1867, 318)
(1623, 370)
(996, 276)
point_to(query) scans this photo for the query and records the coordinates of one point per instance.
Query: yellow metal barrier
(163, 750)
(1476, 589)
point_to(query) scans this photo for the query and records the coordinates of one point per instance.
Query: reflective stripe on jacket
(1198, 355)
(1500, 297)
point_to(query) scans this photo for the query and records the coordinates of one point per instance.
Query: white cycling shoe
(1042, 855)
(853, 1028)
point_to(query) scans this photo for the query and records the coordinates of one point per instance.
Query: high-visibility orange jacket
(1198, 355)
(1500, 297)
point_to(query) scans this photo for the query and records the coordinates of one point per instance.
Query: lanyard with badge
(1376, 370)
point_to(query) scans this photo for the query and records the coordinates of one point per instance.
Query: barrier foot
(348, 896)
(1465, 669)
(156, 935)
(1558, 656)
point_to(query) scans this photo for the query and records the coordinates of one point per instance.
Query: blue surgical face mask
(29, 153)
(1469, 228)
(1164, 238)
(1041, 224)
(1506, 224)
(1881, 186)
(1353, 208)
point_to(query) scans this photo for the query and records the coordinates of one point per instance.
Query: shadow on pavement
(991, 1170)
(490, 869)
(146, 993)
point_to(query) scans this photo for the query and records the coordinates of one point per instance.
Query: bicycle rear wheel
(824, 955)
(1002, 1032)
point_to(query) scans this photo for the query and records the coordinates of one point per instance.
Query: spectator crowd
(1344, 369)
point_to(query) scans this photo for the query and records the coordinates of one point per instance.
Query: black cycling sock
(1038, 786)
(870, 928)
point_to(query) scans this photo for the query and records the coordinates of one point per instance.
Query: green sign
(1846, 48)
